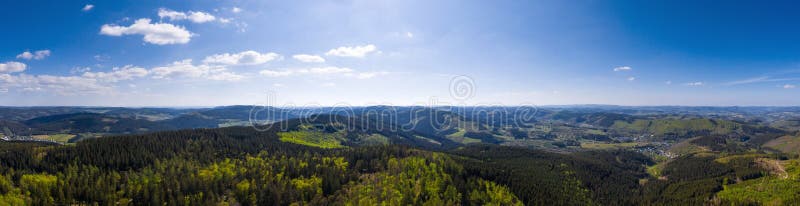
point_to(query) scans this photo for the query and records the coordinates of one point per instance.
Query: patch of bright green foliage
(9, 195)
(726, 159)
(770, 190)
(423, 181)
(490, 193)
(374, 139)
(460, 138)
(655, 170)
(312, 138)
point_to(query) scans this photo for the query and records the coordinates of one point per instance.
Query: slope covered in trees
(233, 166)
(344, 160)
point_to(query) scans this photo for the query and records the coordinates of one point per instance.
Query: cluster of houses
(8, 136)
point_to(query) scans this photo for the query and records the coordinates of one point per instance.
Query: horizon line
(384, 105)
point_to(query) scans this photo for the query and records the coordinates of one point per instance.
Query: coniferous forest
(242, 166)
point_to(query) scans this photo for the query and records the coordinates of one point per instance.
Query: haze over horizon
(214, 53)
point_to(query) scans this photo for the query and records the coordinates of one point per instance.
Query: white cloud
(25, 55)
(186, 69)
(410, 35)
(631, 78)
(356, 51)
(11, 67)
(78, 70)
(369, 75)
(622, 68)
(193, 16)
(225, 76)
(273, 73)
(88, 7)
(242, 58)
(329, 84)
(61, 85)
(312, 71)
(183, 68)
(201, 17)
(278, 85)
(308, 58)
(323, 71)
(117, 74)
(101, 57)
(789, 86)
(37, 55)
(695, 84)
(236, 10)
(158, 33)
(668, 82)
(328, 70)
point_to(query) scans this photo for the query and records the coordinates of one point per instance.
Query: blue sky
(207, 53)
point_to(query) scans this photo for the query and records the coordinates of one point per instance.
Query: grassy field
(726, 159)
(427, 139)
(686, 147)
(460, 138)
(314, 139)
(594, 145)
(375, 139)
(63, 138)
(595, 131)
(655, 170)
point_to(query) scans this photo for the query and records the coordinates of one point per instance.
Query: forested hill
(241, 165)
(234, 166)
(360, 160)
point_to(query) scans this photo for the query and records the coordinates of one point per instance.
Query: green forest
(242, 166)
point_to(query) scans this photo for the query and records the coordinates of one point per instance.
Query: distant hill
(93, 122)
(787, 144)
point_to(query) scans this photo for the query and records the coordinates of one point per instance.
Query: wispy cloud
(747, 81)
(354, 51)
(789, 86)
(695, 84)
(368, 75)
(37, 55)
(60, 85)
(249, 57)
(186, 69)
(760, 79)
(118, 74)
(193, 16)
(88, 7)
(308, 58)
(329, 71)
(622, 68)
